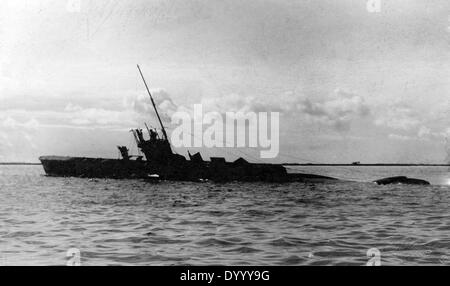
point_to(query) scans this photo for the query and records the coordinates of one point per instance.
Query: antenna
(154, 105)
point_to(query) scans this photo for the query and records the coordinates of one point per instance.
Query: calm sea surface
(131, 222)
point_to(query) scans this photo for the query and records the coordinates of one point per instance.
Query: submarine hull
(182, 170)
(92, 167)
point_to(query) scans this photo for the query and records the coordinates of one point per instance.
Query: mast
(148, 129)
(154, 105)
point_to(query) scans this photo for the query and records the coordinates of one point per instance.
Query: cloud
(17, 138)
(77, 115)
(232, 103)
(399, 137)
(142, 107)
(424, 132)
(8, 123)
(399, 117)
(338, 111)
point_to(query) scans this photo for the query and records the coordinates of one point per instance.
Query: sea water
(132, 222)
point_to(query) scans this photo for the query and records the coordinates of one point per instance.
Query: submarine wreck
(162, 163)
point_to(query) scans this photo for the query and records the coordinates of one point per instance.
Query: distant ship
(162, 163)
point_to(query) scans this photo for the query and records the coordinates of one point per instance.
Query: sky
(350, 85)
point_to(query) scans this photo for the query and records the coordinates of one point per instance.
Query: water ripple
(131, 222)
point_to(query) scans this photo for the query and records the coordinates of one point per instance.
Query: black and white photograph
(231, 133)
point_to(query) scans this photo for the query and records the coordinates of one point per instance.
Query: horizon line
(300, 164)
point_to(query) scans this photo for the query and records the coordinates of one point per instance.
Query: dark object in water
(401, 180)
(181, 170)
(167, 165)
(311, 178)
